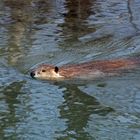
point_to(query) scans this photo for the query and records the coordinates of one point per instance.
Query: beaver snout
(32, 74)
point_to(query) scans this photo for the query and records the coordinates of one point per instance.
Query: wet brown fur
(93, 68)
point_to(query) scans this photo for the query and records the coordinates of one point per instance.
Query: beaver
(86, 70)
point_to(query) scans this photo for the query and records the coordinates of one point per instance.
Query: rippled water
(61, 32)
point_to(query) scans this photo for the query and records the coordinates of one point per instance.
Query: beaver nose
(32, 74)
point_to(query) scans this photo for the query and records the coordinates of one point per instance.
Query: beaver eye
(43, 70)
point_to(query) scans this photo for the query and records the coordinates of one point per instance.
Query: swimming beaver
(92, 69)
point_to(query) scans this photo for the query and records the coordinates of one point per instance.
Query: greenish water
(61, 32)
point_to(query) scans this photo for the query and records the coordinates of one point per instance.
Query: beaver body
(92, 69)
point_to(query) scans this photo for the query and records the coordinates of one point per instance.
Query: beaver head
(47, 72)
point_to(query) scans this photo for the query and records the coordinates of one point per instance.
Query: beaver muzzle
(32, 74)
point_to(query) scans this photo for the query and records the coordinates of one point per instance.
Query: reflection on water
(61, 32)
(74, 25)
(76, 109)
(17, 24)
(10, 109)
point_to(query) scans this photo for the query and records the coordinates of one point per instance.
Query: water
(61, 32)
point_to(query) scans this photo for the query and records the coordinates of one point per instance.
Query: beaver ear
(56, 69)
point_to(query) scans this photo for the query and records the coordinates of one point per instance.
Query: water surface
(66, 32)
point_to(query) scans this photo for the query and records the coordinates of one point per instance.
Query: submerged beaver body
(92, 69)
